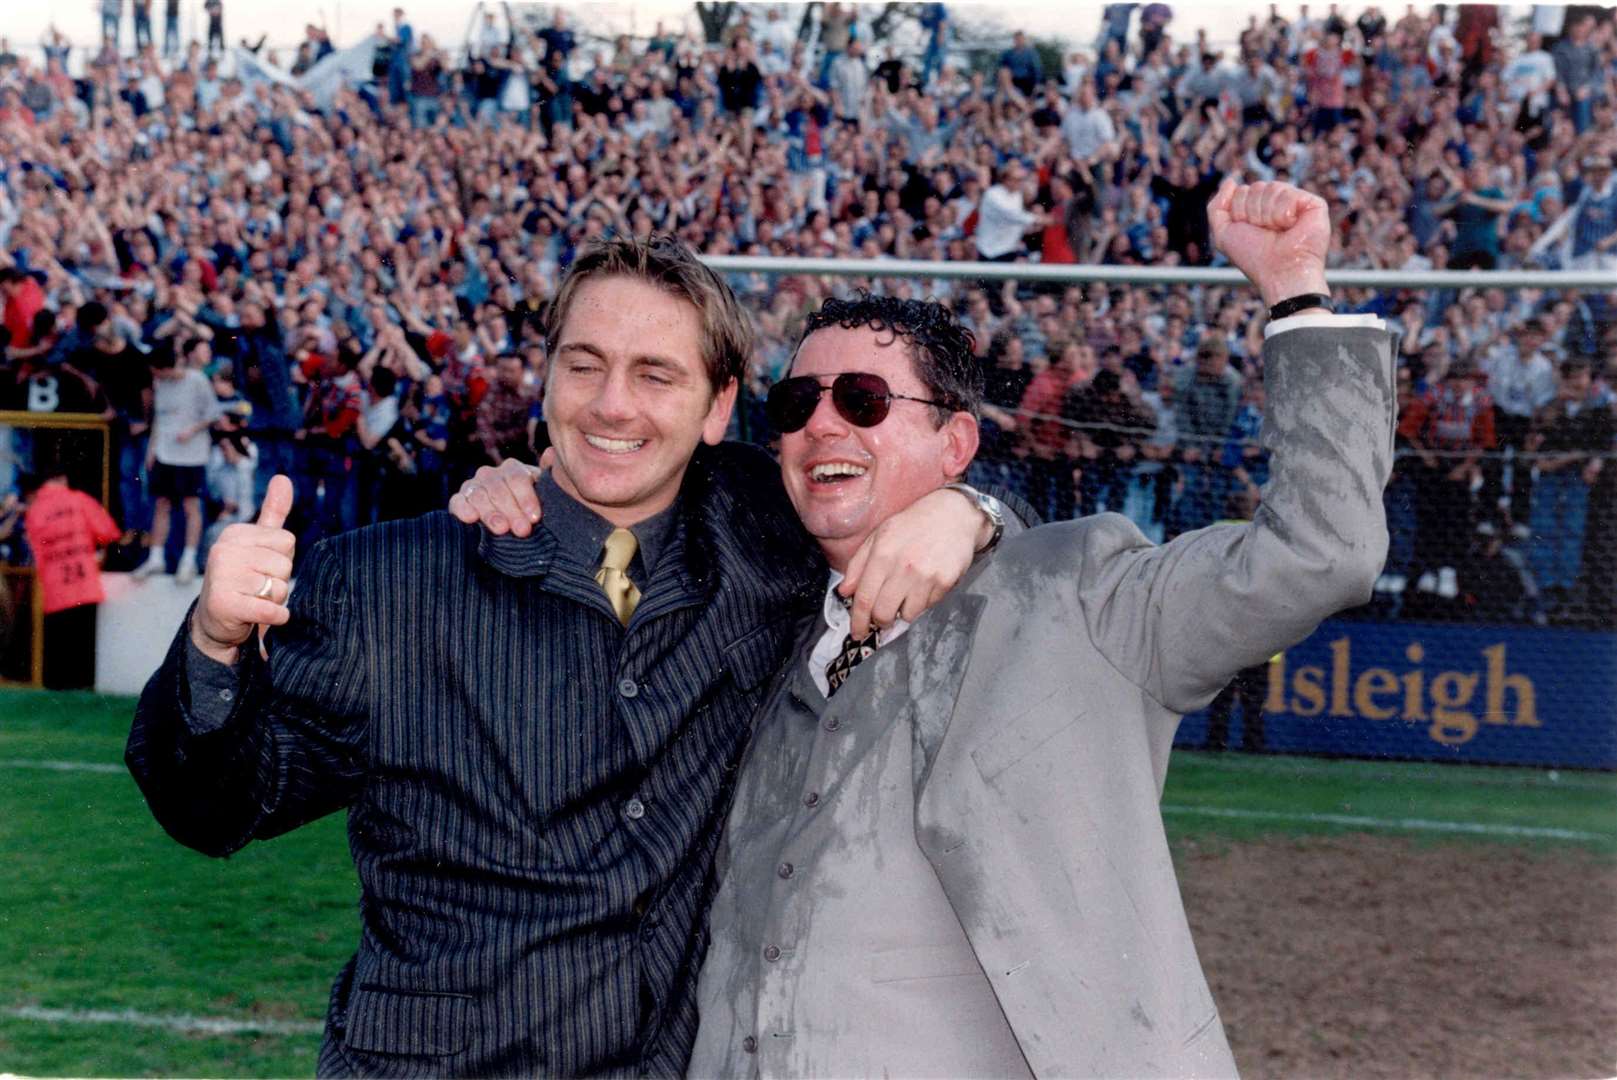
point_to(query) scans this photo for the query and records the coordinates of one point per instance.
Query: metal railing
(1577, 280)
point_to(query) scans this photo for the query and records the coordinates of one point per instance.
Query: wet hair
(940, 348)
(669, 264)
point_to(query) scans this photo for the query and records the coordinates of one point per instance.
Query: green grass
(119, 1050)
(1579, 802)
(101, 910)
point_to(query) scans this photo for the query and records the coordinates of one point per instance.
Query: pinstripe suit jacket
(534, 793)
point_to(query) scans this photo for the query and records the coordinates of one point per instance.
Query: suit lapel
(518, 556)
(673, 584)
(538, 557)
(939, 648)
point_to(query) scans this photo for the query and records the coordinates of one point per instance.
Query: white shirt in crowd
(1519, 388)
(381, 414)
(1075, 71)
(850, 80)
(1001, 221)
(179, 405)
(1086, 131)
(777, 34)
(1530, 74)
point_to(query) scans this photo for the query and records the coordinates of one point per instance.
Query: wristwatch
(990, 509)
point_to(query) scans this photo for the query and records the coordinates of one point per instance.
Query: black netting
(1490, 633)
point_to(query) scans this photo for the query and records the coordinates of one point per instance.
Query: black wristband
(1293, 304)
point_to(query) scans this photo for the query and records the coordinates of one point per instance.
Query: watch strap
(1290, 306)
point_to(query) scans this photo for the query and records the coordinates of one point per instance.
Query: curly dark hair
(940, 348)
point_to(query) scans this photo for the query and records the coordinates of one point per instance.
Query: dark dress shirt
(534, 792)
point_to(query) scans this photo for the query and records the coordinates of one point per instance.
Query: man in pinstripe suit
(535, 771)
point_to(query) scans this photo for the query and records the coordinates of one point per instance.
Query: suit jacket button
(750, 1045)
(635, 810)
(772, 953)
(786, 870)
(628, 688)
(832, 723)
(812, 799)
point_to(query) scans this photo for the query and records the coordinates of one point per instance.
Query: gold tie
(613, 576)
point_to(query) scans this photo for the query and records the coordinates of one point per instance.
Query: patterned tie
(853, 652)
(613, 576)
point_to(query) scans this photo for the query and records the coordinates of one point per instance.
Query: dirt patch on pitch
(1380, 957)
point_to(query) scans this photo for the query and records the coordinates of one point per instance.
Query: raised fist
(1276, 234)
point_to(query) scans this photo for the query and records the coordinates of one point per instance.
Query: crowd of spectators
(362, 280)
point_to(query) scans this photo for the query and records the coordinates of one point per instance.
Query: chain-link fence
(1489, 636)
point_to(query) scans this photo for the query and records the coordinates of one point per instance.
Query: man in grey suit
(945, 855)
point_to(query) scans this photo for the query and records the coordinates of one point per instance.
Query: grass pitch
(101, 912)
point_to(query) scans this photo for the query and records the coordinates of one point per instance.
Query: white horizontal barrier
(1583, 280)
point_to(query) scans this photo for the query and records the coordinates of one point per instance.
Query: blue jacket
(264, 373)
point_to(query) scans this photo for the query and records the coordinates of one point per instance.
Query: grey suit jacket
(1042, 698)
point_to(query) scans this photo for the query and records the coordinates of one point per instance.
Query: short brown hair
(671, 265)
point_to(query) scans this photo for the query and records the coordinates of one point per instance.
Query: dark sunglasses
(862, 399)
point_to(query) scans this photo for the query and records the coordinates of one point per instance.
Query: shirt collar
(581, 532)
(837, 617)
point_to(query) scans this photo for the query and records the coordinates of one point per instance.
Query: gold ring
(265, 589)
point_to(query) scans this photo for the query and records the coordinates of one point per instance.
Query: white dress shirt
(1001, 221)
(837, 626)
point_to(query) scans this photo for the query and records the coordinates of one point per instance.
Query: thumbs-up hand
(247, 580)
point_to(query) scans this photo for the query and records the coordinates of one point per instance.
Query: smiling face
(628, 398)
(846, 480)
